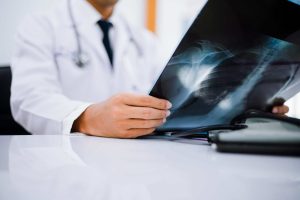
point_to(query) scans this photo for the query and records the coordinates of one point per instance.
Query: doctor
(82, 67)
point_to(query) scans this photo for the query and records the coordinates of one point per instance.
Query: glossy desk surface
(83, 167)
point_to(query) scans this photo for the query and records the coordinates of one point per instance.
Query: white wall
(294, 104)
(174, 18)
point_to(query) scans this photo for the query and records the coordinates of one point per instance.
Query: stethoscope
(81, 59)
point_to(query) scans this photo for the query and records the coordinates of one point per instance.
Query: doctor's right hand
(123, 116)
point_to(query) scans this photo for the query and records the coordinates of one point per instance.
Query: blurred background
(169, 20)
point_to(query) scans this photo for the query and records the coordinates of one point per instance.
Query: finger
(134, 133)
(146, 101)
(281, 110)
(143, 124)
(146, 113)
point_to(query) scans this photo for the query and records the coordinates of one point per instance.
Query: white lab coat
(49, 91)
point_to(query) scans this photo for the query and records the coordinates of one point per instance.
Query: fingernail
(169, 105)
(275, 110)
(168, 113)
(164, 120)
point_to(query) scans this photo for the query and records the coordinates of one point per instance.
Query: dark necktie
(105, 26)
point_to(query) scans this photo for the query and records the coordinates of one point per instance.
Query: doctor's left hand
(123, 116)
(280, 110)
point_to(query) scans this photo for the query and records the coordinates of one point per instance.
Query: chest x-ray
(236, 56)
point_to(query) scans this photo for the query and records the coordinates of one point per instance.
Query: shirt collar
(86, 14)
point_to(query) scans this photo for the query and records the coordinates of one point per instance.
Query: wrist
(76, 125)
(79, 124)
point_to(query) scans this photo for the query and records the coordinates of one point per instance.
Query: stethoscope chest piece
(81, 59)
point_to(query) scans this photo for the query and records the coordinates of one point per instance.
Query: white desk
(82, 167)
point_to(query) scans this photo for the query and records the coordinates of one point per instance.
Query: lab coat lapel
(92, 37)
(121, 44)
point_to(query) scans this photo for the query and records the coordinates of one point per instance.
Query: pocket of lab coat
(69, 73)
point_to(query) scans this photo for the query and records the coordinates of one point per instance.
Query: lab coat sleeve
(37, 99)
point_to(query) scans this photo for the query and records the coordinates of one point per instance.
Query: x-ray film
(237, 55)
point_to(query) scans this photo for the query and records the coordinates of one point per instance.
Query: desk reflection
(81, 167)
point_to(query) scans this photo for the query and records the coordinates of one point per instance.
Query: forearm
(51, 114)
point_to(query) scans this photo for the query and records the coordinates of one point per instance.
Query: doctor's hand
(280, 110)
(123, 116)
